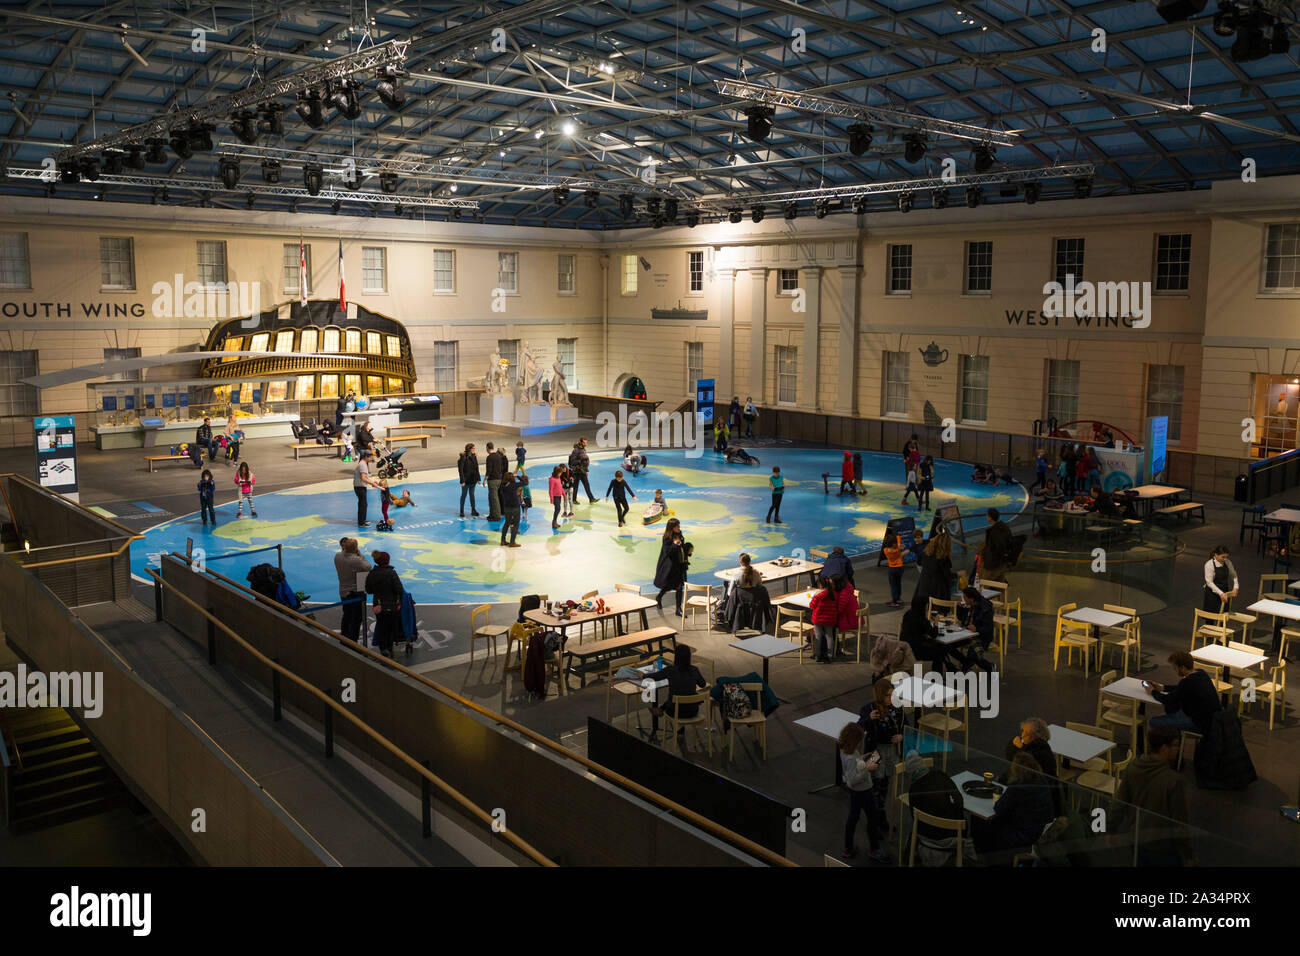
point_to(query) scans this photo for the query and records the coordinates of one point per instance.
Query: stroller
(269, 581)
(388, 462)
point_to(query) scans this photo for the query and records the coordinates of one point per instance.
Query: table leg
(645, 624)
(839, 773)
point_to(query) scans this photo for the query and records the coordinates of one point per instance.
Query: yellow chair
(1104, 783)
(1209, 628)
(1241, 673)
(897, 798)
(1124, 637)
(698, 722)
(942, 823)
(552, 662)
(628, 589)
(485, 632)
(1267, 591)
(581, 627)
(942, 723)
(998, 600)
(1243, 619)
(1116, 711)
(1289, 635)
(699, 597)
(756, 719)
(1275, 688)
(1008, 618)
(611, 685)
(945, 609)
(1216, 674)
(1072, 635)
(519, 633)
(795, 629)
(1182, 744)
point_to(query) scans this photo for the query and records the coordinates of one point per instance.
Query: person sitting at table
(1191, 704)
(748, 604)
(684, 680)
(976, 613)
(1221, 584)
(1019, 816)
(1049, 492)
(933, 792)
(1033, 740)
(918, 632)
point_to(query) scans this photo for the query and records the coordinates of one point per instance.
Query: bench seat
(154, 459)
(1184, 509)
(336, 448)
(588, 655)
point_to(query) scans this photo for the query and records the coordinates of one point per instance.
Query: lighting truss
(814, 103)
(850, 192)
(262, 189)
(220, 108)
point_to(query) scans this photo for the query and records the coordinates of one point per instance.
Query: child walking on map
(244, 481)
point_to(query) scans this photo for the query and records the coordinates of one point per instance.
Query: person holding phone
(858, 771)
(1191, 703)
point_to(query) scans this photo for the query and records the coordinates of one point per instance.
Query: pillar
(726, 334)
(810, 281)
(757, 335)
(846, 388)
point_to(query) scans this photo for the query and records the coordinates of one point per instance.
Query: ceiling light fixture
(228, 170)
(735, 214)
(982, 156)
(270, 171)
(758, 125)
(390, 89)
(313, 177)
(914, 147)
(860, 138)
(974, 196)
(310, 109)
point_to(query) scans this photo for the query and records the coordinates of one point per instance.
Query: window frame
(964, 388)
(382, 288)
(294, 290)
(1175, 434)
(560, 273)
(967, 267)
(1281, 292)
(442, 370)
(790, 353)
(26, 260)
(570, 364)
(891, 266)
(1048, 393)
(1155, 266)
(129, 261)
(781, 290)
(691, 287)
(1057, 255)
(451, 271)
(211, 244)
(624, 274)
(514, 288)
(690, 377)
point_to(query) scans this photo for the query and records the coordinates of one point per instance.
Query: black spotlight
(1281, 41)
(166, 196)
(270, 122)
(859, 138)
(343, 97)
(859, 205)
(243, 125)
(791, 210)
(312, 178)
(228, 170)
(89, 168)
(820, 208)
(388, 182)
(758, 124)
(657, 221)
(153, 153)
(734, 214)
(1175, 10)
(982, 156)
(310, 109)
(135, 157)
(1032, 192)
(905, 202)
(590, 198)
(390, 88)
(335, 206)
(652, 205)
(758, 212)
(1251, 43)
(561, 194)
(200, 136)
(250, 200)
(625, 205)
(270, 171)
(114, 160)
(1009, 190)
(180, 144)
(913, 147)
(293, 205)
(692, 218)
(68, 173)
(455, 214)
(1225, 20)
(974, 196)
(1083, 187)
(670, 209)
(939, 199)
(397, 209)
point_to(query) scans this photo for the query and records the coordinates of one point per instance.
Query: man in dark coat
(837, 562)
(1222, 760)
(579, 465)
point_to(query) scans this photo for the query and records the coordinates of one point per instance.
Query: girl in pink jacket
(556, 492)
(244, 481)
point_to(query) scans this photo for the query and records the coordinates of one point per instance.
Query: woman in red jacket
(846, 605)
(846, 475)
(825, 615)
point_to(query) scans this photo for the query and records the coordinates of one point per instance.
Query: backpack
(735, 702)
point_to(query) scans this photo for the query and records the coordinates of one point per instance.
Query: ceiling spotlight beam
(815, 103)
(218, 109)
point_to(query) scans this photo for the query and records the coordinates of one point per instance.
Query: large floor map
(444, 559)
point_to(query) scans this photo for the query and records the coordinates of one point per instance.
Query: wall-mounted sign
(704, 392)
(933, 355)
(56, 453)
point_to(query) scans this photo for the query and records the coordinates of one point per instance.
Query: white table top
(1075, 745)
(915, 692)
(619, 602)
(956, 636)
(990, 593)
(981, 807)
(1287, 515)
(771, 571)
(765, 645)
(1092, 615)
(1276, 608)
(1228, 656)
(1129, 687)
(828, 723)
(1155, 491)
(1294, 585)
(801, 599)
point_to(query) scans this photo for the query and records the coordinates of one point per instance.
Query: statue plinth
(493, 407)
(563, 414)
(532, 414)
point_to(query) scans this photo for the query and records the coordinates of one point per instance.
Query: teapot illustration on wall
(933, 355)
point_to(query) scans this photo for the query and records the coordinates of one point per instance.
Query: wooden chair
(1275, 688)
(1123, 637)
(554, 663)
(942, 723)
(1289, 635)
(1116, 711)
(756, 719)
(1241, 673)
(1072, 635)
(1209, 627)
(1267, 589)
(1104, 783)
(862, 629)
(518, 634)
(700, 720)
(946, 609)
(699, 597)
(1216, 677)
(1008, 618)
(611, 682)
(1243, 619)
(1182, 744)
(581, 627)
(1100, 764)
(897, 798)
(487, 631)
(943, 823)
(796, 628)
(998, 600)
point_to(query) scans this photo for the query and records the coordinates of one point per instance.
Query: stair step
(48, 768)
(54, 817)
(24, 720)
(25, 807)
(40, 755)
(34, 740)
(25, 788)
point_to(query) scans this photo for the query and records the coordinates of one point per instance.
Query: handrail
(85, 557)
(413, 764)
(76, 504)
(277, 548)
(714, 828)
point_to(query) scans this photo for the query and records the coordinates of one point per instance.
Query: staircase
(58, 776)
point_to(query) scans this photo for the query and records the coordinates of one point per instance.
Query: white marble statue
(492, 380)
(530, 379)
(559, 388)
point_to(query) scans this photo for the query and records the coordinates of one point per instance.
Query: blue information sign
(1157, 441)
(56, 452)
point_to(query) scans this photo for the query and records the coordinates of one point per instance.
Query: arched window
(352, 341)
(331, 341)
(308, 340)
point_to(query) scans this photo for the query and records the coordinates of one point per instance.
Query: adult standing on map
(496, 466)
(348, 563)
(361, 478)
(467, 466)
(579, 465)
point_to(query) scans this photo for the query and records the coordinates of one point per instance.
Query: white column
(846, 389)
(810, 281)
(726, 333)
(757, 334)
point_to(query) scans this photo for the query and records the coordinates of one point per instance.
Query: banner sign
(56, 452)
(1157, 440)
(704, 401)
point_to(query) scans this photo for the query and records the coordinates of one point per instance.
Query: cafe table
(1278, 609)
(617, 604)
(1284, 516)
(767, 647)
(829, 723)
(1148, 495)
(1073, 745)
(981, 807)
(1221, 656)
(773, 572)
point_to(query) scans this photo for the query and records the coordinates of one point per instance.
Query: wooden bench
(154, 459)
(388, 432)
(1183, 509)
(589, 655)
(336, 448)
(422, 439)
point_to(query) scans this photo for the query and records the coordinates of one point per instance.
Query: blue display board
(169, 400)
(704, 392)
(1157, 441)
(56, 452)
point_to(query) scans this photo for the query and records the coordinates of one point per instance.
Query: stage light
(390, 89)
(1032, 192)
(1251, 43)
(1083, 187)
(905, 201)
(758, 122)
(397, 209)
(455, 214)
(982, 156)
(561, 194)
(1174, 11)
(310, 109)
(228, 169)
(68, 174)
(859, 205)
(974, 196)
(89, 169)
(113, 161)
(791, 210)
(757, 212)
(657, 222)
(692, 218)
(180, 144)
(820, 208)
(101, 193)
(670, 209)
(859, 138)
(154, 152)
(334, 207)
(293, 205)
(914, 147)
(243, 126)
(388, 182)
(735, 214)
(135, 157)
(652, 205)
(270, 171)
(939, 199)
(312, 178)
(200, 137)
(1009, 190)
(270, 122)
(343, 97)
(1281, 41)
(166, 195)
(1225, 20)
(250, 200)
(568, 127)
(590, 198)
(625, 205)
